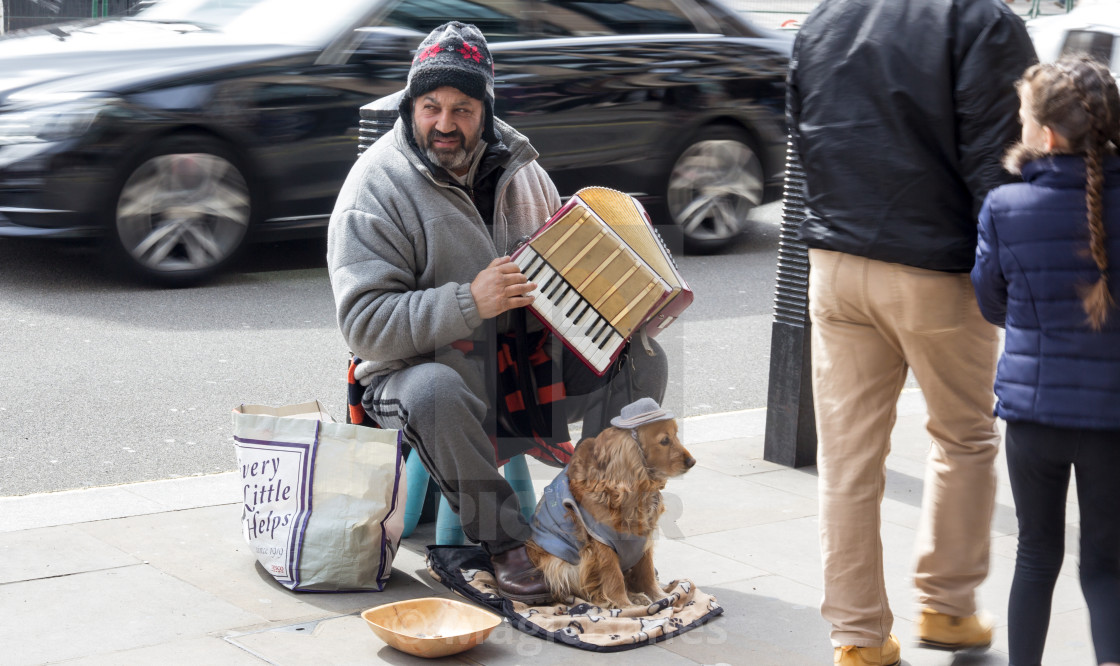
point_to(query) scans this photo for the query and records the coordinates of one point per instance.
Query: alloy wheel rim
(713, 187)
(183, 211)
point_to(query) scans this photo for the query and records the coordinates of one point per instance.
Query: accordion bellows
(602, 274)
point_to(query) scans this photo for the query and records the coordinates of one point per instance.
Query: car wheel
(713, 185)
(182, 212)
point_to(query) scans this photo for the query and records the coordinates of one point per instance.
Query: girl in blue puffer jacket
(1042, 272)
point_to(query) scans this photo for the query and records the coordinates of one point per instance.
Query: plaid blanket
(529, 423)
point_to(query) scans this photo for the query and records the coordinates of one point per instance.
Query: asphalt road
(104, 382)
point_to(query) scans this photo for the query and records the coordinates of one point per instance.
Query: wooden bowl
(431, 627)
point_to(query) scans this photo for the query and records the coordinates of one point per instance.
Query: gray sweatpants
(441, 407)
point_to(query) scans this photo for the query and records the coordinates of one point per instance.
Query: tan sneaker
(939, 631)
(850, 655)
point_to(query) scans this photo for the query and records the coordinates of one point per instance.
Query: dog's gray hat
(641, 412)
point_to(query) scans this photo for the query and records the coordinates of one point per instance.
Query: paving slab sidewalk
(158, 572)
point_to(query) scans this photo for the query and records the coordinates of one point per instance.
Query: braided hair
(1077, 98)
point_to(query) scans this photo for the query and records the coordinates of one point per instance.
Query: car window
(1097, 45)
(584, 18)
(497, 19)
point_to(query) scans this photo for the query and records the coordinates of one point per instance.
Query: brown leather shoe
(939, 631)
(885, 655)
(518, 579)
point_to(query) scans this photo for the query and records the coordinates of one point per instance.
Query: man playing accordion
(429, 300)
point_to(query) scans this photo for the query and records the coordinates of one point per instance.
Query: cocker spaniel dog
(593, 528)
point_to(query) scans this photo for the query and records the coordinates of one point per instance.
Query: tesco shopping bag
(323, 502)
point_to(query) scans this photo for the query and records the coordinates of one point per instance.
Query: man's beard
(453, 159)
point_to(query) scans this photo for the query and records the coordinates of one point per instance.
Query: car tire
(714, 182)
(182, 211)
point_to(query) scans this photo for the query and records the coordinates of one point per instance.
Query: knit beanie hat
(454, 54)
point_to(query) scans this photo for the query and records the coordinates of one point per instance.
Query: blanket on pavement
(467, 571)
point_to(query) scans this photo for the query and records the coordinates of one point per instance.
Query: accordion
(603, 274)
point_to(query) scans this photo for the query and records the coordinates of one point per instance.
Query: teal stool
(449, 531)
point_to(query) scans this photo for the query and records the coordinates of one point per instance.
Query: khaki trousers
(871, 322)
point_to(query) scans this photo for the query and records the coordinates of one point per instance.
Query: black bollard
(791, 429)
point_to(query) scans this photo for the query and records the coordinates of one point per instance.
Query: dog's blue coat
(555, 531)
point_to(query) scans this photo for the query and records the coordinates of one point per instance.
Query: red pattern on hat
(470, 52)
(432, 50)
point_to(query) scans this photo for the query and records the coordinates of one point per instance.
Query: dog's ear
(583, 459)
(607, 467)
(617, 458)
(617, 485)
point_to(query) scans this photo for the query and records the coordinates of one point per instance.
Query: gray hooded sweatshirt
(403, 248)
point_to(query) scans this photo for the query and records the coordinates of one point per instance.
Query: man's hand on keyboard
(499, 287)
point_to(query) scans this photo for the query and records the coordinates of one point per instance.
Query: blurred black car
(180, 133)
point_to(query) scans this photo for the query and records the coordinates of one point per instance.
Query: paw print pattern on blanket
(483, 581)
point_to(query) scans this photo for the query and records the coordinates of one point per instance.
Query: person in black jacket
(900, 111)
